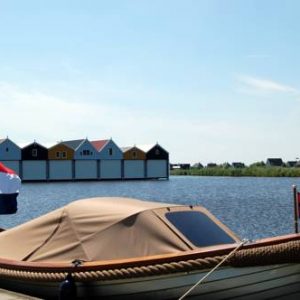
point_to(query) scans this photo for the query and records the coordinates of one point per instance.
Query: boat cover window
(199, 228)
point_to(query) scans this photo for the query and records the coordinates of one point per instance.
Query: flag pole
(296, 209)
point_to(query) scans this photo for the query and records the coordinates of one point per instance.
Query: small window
(134, 154)
(6, 149)
(157, 152)
(34, 152)
(199, 228)
(110, 151)
(64, 154)
(86, 152)
(57, 154)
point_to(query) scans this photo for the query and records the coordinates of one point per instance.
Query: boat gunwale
(212, 251)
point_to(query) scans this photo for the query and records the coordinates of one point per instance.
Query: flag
(10, 184)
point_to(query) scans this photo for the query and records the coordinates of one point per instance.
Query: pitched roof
(7, 139)
(275, 161)
(146, 148)
(99, 144)
(74, 144)
(125, 149)
(292, 163)
(34, 144)
(198, 165)
(58, 144)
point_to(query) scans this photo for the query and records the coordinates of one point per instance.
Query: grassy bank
(237, 172)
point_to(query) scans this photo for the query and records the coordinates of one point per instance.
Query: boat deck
(8, 295)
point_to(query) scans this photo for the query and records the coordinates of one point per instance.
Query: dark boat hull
(261, 282)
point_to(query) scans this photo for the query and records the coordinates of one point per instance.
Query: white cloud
(32, 115)
(265, 85)
(28, 115)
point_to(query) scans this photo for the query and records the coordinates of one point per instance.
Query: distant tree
(226, 165)
(258, 164)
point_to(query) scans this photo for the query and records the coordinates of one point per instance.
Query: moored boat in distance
(121, 248)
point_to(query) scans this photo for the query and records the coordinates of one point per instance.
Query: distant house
(10, 154)
(34, 151)
(34, 162)
(291, 164)
(211, 165)
(274, 162)
(107, 149)
(134, 162)
(82, 159)
(238, 165)
(83, 149)
(174, 167)
(9, 150)
(111, 157)
(60, 162)
(60, 151)
(197, 166)
(157, 161)
(85, 159)
(180, 166)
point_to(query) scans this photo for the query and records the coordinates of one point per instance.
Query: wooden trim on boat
(212, 251)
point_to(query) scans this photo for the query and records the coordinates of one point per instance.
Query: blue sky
(211, 81)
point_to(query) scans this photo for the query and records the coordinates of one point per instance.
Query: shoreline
(239, 172)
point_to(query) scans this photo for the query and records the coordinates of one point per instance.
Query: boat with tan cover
(120, 248)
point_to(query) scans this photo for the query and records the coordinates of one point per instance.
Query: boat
(123, 248)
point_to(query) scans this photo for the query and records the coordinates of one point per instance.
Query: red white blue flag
(10, 184)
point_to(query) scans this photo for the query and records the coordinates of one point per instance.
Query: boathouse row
(85, 160)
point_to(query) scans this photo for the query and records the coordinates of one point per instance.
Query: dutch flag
(10, 184)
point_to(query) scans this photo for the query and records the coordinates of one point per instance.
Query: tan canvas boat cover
(92, 229)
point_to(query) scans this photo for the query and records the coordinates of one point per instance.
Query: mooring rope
(111, 274)
(213, 269)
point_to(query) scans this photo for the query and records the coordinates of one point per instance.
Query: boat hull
(260, 282)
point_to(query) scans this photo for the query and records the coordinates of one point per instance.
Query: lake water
(252, 207)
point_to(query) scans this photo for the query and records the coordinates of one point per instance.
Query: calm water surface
(251, 207)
